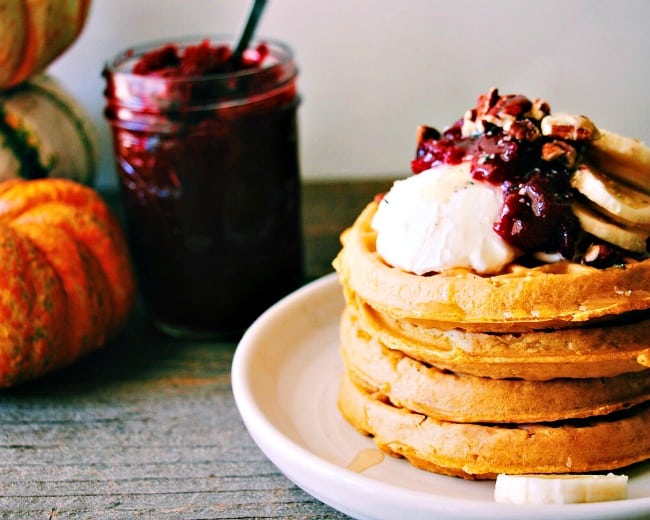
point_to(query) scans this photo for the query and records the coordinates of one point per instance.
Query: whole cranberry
(536, 215)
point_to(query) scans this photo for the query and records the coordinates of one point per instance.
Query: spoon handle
(249, 29)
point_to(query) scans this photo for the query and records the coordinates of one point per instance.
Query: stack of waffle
(536, 369)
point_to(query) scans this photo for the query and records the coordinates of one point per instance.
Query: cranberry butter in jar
(207, 158)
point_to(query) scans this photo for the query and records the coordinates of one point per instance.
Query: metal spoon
(247, 34)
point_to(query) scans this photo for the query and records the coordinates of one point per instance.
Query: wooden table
(148, 428)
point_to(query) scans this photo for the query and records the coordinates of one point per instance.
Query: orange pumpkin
(35, 32)
(68, 284)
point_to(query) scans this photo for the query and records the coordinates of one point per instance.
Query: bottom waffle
(481, 451)
(464, 398)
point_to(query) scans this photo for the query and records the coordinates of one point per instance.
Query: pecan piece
(472, 125)
(601, 256)
(557, 150)
(571, 127)
(500, 120)
(425, 133)
(487, 101)
(523, 130)
(512, 105)
(539, 110)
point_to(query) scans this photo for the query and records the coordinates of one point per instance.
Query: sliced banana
(600, 226)
(559, 489)
(621, 201)
(623, 157)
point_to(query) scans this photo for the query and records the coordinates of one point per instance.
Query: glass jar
(209, 174)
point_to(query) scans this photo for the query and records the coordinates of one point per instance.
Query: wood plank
(148, 428)
(328, 208)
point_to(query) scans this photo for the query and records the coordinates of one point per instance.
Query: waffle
(584, 352)
(537, 370)
(449, 396)
(522, 299)
(520, 366)
(481, 451)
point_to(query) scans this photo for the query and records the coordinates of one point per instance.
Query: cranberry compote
(202, 59)
(506, 148)
(207, 159)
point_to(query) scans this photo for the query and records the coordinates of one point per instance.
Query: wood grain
(328, 208)
(147, 427)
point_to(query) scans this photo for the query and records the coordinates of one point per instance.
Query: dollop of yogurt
(440, 219)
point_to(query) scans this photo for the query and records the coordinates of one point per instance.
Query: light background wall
(371, 71)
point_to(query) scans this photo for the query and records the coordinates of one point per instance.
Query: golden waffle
(583, 352)
(481, 451)
(445, 395)
(556, 295)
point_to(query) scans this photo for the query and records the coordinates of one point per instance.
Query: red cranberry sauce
(502, 139)
(197, 60)
(209, 172)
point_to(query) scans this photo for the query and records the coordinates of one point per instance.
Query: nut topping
(426, 132)
(512, 105)
(487, 101)
(602, 255)
(539, 110)
(523, 130)
(560, 150)
(571, 127)
(537, 158)
(515, 114)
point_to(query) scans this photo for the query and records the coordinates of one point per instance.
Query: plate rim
(305, 462)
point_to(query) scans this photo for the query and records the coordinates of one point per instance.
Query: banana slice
(559, 489)
(598, 225)
(622, 157)
(622, 202)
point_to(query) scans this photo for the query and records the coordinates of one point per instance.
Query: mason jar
(208, 169)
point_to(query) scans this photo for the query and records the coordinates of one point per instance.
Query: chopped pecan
(487, 101)
(501, 111)
(472, 125)
(500, 120)
(557, 150)
(426, 132)
(513, 105)
(539, 110)
(571, 127)
(602, 255)
(523, 130)
(594, 251)
(471, 115)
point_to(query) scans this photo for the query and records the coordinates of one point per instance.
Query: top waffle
(517, 219)
(521, 298)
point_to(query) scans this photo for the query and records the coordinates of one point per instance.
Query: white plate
(285, 377)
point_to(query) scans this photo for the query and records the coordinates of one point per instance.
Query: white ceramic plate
(285, 377)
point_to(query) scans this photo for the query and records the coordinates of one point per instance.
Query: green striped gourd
(45, 132)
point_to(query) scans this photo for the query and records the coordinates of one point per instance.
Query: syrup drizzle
(366, 459)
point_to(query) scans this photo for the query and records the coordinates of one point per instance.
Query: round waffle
(583, 352)
(481, 451)
(521, 299)
(449, 396)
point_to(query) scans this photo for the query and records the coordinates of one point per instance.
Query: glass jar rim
(283, 56)
(157, 94)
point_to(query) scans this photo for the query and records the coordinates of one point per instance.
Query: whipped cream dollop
(440, 219)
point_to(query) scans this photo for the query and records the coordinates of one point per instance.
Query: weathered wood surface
(148, 428)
